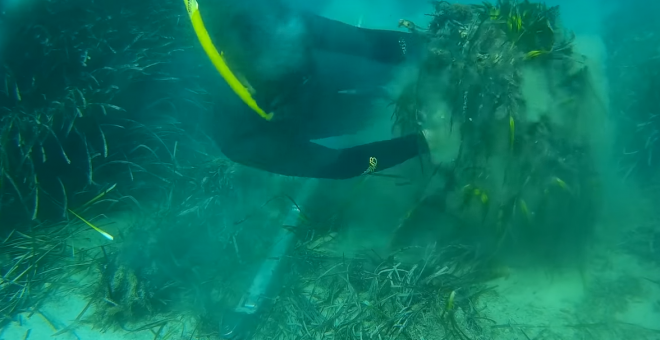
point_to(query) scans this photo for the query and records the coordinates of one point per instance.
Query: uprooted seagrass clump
(520, 118)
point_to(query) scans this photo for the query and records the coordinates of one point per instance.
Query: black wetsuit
(328, 92)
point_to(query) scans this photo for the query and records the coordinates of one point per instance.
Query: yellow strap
(218, 61)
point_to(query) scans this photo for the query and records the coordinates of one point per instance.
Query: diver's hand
(443, 141)
(433, 141)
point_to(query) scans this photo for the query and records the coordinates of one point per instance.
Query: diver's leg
(354, 161)
(278, 152)
(386, 46)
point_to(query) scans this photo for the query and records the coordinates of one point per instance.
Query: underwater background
(120, 218)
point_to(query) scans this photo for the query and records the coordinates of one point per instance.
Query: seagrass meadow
(120, 219)
(635, 77)
(89, 131)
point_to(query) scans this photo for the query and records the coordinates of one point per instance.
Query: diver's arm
(277, 153)
(381, 45)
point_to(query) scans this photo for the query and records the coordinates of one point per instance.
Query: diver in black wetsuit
(318, 76)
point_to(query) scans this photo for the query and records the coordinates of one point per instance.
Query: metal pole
(242, 320)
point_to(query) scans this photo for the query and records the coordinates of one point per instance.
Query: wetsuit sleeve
(380, 45)
(282, 155)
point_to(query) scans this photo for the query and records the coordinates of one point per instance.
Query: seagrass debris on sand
(375, 298)
(34, 263)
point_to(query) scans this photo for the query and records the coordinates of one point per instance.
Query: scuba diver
(300, 77)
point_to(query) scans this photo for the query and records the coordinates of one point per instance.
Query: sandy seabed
(617, 297)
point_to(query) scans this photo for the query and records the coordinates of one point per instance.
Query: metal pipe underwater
(241, 321)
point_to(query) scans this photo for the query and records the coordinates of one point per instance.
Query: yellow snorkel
(219, 61)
